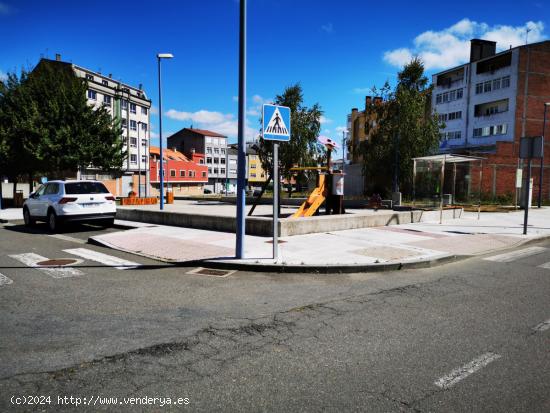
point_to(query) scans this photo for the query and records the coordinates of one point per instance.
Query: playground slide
(314, 201)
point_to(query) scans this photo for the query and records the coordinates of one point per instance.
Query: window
(124, 123)
(223, 151)
(477, 132)
(222, 171)
(459, 94)
(51, 189)
(496, 84)
(191, 174)
(253, 166)
(92, 94)
(105, 83)
(133, 158)
(452, 95)
(201, 161)
(215, 170)
(173, 173)
(217, 150)
(75, 188)
(208, 139)
(144, 110)
(124, 104)
(143, 158)
(222, 161)
(133, 125)
(502, 129)
(89, 77)
(216, 160)
(143, 126)
(438, 98)
(505, 82)
(446, 97)
(209, 159)
(215, 141)
(486, 131)
(144, 142)
(107, 100)
(487, 86)
(132, 108)
(182, 173)
(253, 175)
(208, 150)
(209, 170)
(204, 174)
(133, 142)
(479, 88)
(233, 171)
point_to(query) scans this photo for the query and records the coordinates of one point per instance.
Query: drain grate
(211, 272)
(56, 263)
(280, 241)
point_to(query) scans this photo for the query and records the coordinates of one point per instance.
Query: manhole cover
(211, 272)
(279, 241)
(56, 263)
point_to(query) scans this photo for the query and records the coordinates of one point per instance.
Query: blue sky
(337, 50)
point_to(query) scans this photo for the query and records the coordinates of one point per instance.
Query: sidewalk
(418, 244)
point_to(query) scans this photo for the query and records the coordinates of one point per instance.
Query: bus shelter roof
(449, 158)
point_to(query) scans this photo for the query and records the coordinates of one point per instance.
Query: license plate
(89, 205)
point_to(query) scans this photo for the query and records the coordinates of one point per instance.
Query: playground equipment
(324, 191)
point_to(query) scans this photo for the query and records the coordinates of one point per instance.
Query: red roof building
(183, 175)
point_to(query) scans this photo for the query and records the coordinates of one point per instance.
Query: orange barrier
(138, 201)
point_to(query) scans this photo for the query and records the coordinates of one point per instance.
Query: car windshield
(85, 188)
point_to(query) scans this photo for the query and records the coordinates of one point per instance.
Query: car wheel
(29, 221)
(53, 222)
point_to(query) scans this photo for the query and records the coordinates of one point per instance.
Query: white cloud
(154, 110)
(328, 28)
(341, 129)
(451, 46)
(3, 76)
(226, 124)
(324, 120)
(361, 90)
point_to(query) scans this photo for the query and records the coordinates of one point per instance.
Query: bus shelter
(440, 162)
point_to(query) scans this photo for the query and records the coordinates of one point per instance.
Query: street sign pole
(526, 198)
(241, 154)
(275, 201)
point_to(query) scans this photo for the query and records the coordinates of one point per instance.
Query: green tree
(404, 128)
(47, 126)
(302, 149)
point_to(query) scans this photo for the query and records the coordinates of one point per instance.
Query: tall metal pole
(139, 159)
(160, 143)
(541, 169)
(526, 197)
(275, 201)
(241, 159)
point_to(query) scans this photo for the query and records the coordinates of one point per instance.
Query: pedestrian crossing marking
(5, 280)
(276, 125)
(108, 260)
(516, 255)
(31, 259)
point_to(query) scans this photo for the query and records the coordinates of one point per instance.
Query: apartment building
(489, 103)
(130, 106)
(182, 175)
(215, 149)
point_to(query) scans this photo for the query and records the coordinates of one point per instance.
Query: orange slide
(314, 201)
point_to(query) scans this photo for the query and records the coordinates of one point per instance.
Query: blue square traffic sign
(276, 123)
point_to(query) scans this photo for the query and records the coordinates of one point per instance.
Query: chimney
(480, 49)
(57, 57)
(368, 101)
(110, 75)
(140, 86)
(353, 110)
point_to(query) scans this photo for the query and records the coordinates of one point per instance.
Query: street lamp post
(161, 56)
(139, 158)
(541, 169)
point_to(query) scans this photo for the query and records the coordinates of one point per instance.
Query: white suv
(60, 201)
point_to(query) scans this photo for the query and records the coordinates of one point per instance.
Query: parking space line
(31, 259)
(466, 370)
(515, 255)
(545, 325)
(5, 280)
(68, 238)
(108, 260)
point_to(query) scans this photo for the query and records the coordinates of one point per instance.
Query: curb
(307, 269)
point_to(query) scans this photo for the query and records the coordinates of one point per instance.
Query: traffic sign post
(529, 148)
(276, 127)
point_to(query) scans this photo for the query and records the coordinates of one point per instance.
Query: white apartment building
(131, 107)
(477, 100)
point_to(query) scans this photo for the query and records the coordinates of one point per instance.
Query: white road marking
(5, 280)
(31, 259)
(545, 325)
(67, 238)
(108, 260)
(546, 265)
(514, 255)
(462, 372)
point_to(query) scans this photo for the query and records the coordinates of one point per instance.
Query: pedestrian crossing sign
(276, 123)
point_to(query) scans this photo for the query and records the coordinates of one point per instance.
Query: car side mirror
(33, 195)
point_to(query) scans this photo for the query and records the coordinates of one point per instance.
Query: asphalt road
(468, 336)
